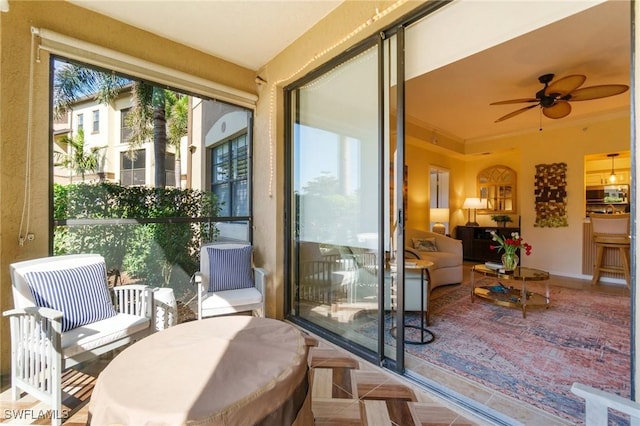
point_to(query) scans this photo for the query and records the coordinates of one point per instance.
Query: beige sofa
(447, 260)
(447, 263)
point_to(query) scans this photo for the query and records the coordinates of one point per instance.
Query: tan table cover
(235, 370)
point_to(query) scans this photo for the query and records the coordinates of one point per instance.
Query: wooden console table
(477, 239)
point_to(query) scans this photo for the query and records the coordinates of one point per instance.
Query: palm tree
(72, 82)
(80, 160)
(152, 107)
(177, 126)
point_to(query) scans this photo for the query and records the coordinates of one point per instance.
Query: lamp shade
(473, 203)
(439, 215)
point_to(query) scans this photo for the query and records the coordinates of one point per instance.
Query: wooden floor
(345, 391)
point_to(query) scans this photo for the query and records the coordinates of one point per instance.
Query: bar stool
(611, 231)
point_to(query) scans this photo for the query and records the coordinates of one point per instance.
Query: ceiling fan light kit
(553, 98)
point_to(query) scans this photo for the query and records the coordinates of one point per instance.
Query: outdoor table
(235, 370)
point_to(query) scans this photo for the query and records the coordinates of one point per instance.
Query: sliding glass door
(335, 161)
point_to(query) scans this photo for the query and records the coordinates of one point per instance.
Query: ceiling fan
(554, 98)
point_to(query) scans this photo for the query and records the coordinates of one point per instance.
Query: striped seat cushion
(80, 293)
(230, 268)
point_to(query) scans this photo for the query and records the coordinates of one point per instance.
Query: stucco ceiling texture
(452, 100)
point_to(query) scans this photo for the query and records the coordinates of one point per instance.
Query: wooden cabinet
(477, 239)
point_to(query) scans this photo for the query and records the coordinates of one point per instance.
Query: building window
(132, 167)
(170, 168)
(80, 122)
(229, 176)
(125, 129)
(96, 121)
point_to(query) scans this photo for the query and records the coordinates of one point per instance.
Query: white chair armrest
(48, 313)
(259, 277)
(134, 299)
(597, 403)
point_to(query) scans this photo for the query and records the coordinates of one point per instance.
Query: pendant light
(612, 176)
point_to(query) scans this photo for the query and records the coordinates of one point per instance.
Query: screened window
(132, 167)
(229, 173)
(80, 121)
(96, 121)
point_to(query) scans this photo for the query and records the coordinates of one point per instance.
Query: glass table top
(520, 273)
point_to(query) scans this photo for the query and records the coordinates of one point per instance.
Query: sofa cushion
(441, 259)
(425, 244)
(80, 293)
(230, 268)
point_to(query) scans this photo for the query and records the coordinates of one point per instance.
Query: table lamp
(472, 203)
(439, 215)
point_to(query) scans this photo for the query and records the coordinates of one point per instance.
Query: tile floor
(346, 390)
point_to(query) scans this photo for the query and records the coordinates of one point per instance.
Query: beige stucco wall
(67, 19)
(523, 152)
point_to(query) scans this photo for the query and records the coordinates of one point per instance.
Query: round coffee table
(226, 370)
(511, 297)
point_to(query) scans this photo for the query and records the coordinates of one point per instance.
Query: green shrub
(144, 232)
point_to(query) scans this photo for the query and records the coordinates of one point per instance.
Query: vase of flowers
(509, 261)
(510, 258)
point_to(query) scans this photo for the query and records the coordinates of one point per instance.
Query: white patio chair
(228, 282)
(598, 403)
(64, 314)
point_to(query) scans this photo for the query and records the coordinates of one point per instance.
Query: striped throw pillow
(80, 293)
(230, 269)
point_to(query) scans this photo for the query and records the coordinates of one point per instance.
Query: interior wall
(419, 160)
(557, 250)
(65, 18)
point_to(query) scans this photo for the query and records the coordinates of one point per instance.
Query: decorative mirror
(497, 185)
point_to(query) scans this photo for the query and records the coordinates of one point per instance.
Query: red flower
(510, 245)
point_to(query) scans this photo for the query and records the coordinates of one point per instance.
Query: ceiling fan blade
(596, 92)
(557, 110)
(514, 113)
(515, 101)
(565, 85)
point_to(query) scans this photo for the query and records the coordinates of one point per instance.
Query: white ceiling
(452, 100)
(246, 32)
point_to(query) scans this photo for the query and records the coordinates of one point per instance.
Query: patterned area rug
(581, 337)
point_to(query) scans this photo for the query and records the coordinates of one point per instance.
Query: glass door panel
(336, 200)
